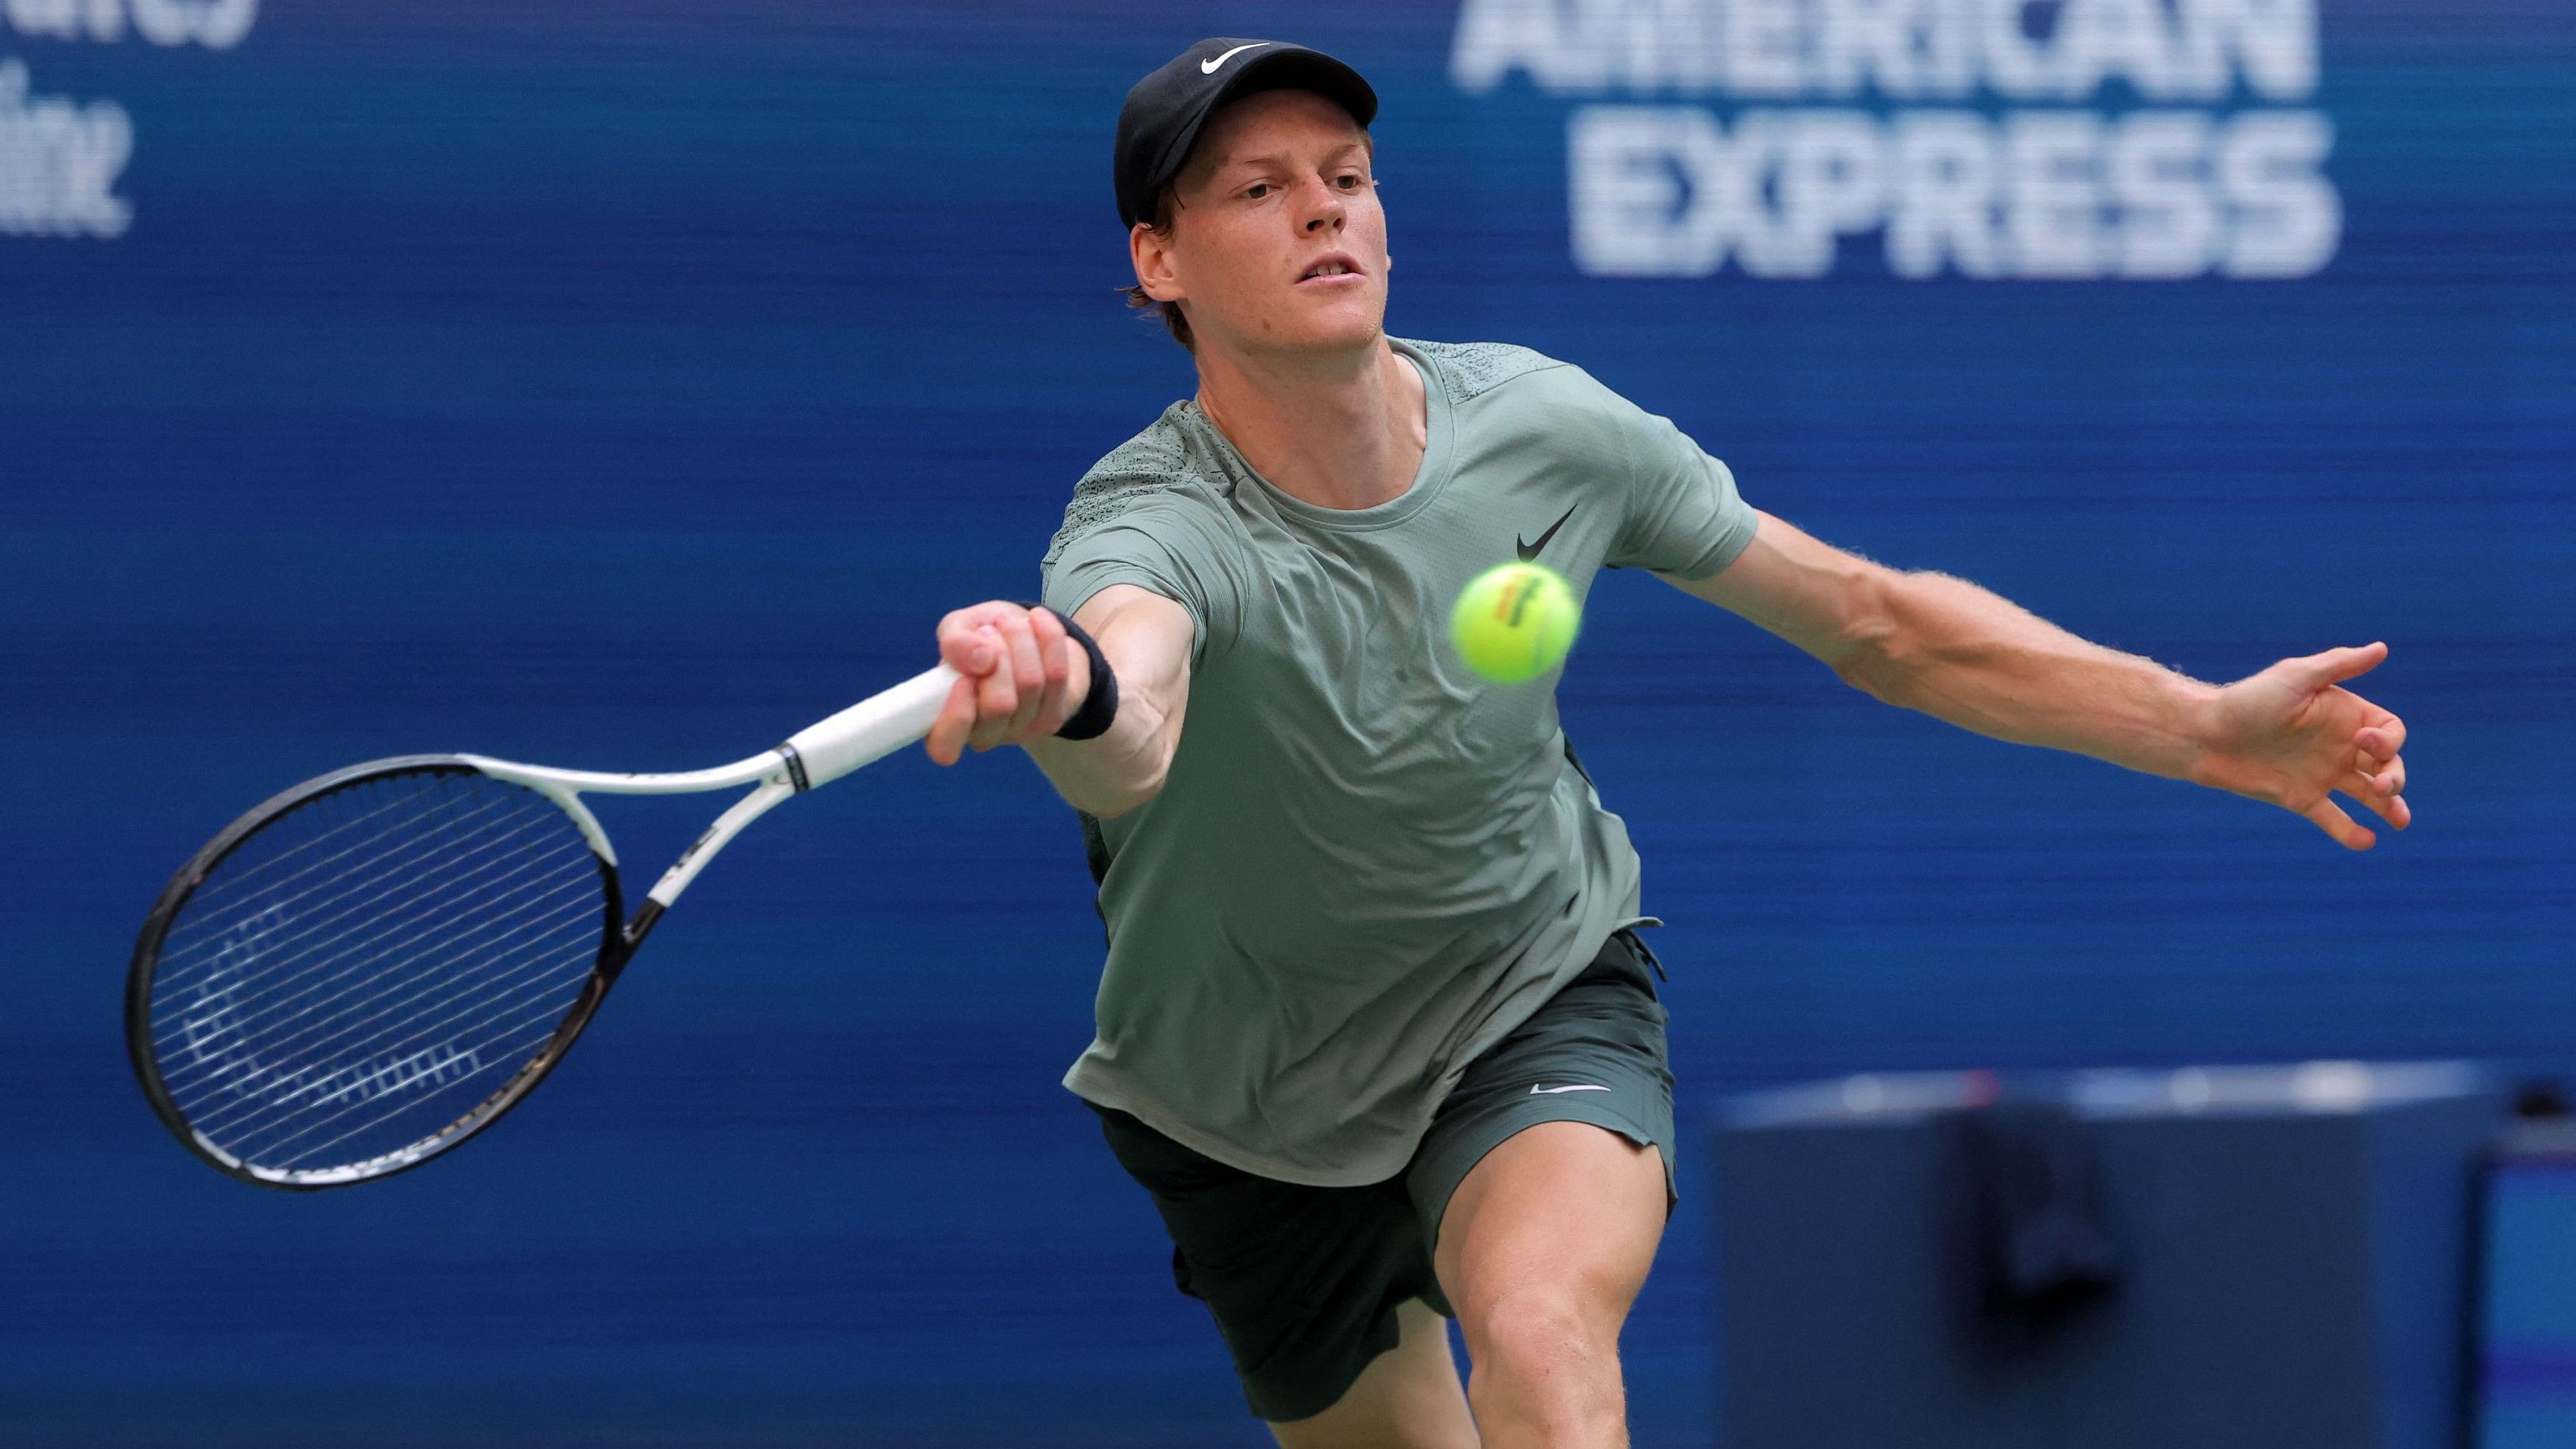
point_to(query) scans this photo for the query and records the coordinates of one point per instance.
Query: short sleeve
(1167, 541)
(1684, 515)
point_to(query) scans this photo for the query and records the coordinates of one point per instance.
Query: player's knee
(1551, 1341)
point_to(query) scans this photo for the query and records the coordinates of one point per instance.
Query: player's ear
(1151, 251)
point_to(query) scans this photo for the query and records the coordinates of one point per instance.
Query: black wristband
(1100, 705)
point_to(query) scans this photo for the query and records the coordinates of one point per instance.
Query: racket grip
(870, 730)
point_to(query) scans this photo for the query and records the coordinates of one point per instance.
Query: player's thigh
(1562, 1219)
(1408, 1398)
(1548, 1169)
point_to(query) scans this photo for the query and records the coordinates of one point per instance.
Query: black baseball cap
(1164, 113)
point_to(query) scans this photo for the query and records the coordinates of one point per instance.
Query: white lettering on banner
(2024, 50)
(2169, 222)
(59, 163)
(1945, 165)
(2164, 185)
(2268, 167)
(214, 24)
(1669, 191)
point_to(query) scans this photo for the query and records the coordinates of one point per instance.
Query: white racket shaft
(814, 756)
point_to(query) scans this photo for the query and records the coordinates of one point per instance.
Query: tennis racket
(375, 965)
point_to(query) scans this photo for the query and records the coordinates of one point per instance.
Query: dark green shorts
(1304, 1281)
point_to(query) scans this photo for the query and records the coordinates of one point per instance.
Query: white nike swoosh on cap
(1208, 67)
(1552, 1091)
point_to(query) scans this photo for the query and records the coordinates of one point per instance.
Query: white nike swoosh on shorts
(1552, 1091)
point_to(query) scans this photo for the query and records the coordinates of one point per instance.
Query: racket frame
(144, 969)
(812, 757)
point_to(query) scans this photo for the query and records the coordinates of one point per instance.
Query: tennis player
(1376, 1032)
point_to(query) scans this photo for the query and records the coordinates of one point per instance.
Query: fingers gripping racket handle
(869, 730)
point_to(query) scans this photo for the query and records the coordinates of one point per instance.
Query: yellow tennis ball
(1515, 622)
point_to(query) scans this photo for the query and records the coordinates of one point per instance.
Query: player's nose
(1324, 207)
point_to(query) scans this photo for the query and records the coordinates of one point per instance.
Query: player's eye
(1256, 191)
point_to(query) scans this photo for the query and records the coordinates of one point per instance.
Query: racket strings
(474, 1072)
(239, 954)
(511, 1056)
(273, 899)
(325, 968)
(333, 1033)
(369, 968)
(503, 1059)
(212, 937)
(297, 963)
(276, 1079)
(359, 986)
(274, 1062)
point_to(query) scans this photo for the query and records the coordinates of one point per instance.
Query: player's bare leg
(1542, 1250)
(1408, 1397)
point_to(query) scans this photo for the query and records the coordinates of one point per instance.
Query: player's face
(1278, 242)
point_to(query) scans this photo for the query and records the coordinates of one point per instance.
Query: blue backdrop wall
(623, 385)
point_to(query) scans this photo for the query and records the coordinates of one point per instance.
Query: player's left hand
(2292, 735)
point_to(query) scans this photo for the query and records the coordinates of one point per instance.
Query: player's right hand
(1021, 677)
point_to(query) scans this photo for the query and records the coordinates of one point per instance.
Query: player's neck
(1347, 434)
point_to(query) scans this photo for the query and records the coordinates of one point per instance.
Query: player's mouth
(1332, 269)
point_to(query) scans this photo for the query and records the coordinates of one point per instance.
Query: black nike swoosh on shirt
(1529, 551)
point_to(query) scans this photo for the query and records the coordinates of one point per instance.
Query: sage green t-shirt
(1366, 864)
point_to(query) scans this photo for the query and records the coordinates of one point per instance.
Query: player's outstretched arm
(2291, 735)
(1022, 677)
